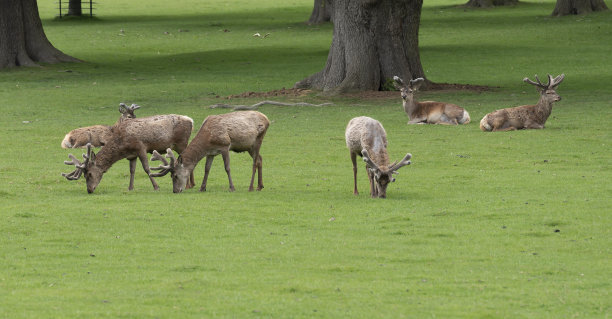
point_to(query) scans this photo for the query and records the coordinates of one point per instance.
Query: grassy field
(481, 225)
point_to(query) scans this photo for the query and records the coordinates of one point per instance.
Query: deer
(366, 137)
(241, 131)
(133, 139)
(525, 116)
(428, 112)
(96, 135)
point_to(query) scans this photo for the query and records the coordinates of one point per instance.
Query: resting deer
(526, 116)
(428, 112)
(96, 135)
(241, 131)
(133, 139)
(367, 138)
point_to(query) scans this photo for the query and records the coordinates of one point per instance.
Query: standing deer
(241, 131)
(367, 138)
(133, 139)
(525, 116)
(96, 135)
(428, 112)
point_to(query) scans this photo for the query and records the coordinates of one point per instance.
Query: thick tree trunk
(567, 7)
(74, 8)
(490, 3)
(321, 12)
(22, 39)
(373, 40)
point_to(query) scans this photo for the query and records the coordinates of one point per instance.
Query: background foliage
(510, 225)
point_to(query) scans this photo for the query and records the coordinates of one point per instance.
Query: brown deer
(525, 116)
(96, 135)
(367, 138)
(241, 131)
(428, 112)
(133, 140)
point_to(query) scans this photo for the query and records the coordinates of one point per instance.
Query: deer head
(178, 172)
(382, 176)
(93, 174)
(548, 91)
(410, 89)
(127, 112)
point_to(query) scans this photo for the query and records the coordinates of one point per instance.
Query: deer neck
(109, 155)
(410, 104)
(543, 109)
(378, 154)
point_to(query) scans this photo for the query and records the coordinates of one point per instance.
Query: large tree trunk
(22, 39)
(490, 3)
(567, 7)
(321, 12)
(373, 41)
(74, 8)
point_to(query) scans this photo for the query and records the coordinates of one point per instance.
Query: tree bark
(74, 8)
(490, 3)
(373, 41)
(321, 12)
(22, 39)
(567, 7)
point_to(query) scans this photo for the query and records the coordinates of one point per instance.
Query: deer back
(367, 133)
(96, 135)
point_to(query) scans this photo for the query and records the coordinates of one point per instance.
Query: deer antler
(134, 107)
(366, 158)
(166, 167)
(557, 81)
(80, 167)
(405, 161)
(122, 107)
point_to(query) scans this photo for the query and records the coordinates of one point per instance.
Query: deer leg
(226, 162)
(373, 192)
(132, 173)
(418, 120)
(209, 160)
(259, 173)
(354, 160)
(255, 155)
(191, 181)
(144, 160)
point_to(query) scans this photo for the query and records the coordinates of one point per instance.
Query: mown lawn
(481, 225)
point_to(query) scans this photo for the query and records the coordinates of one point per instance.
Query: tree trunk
(373, 40)
(321, 12)
(74, 8)
(490, 3)
(567, 7)
(22, 39)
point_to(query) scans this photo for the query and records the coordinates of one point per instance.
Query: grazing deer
(133, 139)
(96, 135)
(367, 138)
(241, 131)
(525, 116)
(428, 112)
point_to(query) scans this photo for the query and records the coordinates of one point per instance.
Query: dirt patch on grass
(433, 87)
(292, 92)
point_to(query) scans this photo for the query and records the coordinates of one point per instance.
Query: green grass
(481, 225)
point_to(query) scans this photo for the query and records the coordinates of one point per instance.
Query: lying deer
(367, 138)
(133, 139)
(526, 116)
(96, 135)
(241, 131)
(428, 112)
